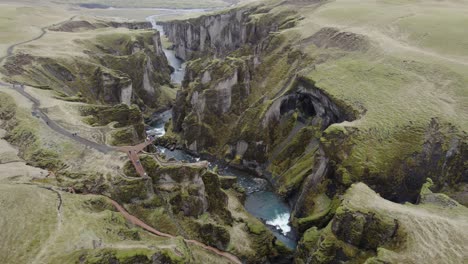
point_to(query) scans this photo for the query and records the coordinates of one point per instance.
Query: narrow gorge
(248, 102)
(233, 131)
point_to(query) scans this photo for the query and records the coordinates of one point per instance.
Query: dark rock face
(110, 86)
(309, 101)
(132, 25)
(218, 34)
(363, 230)
(59, 72)
(214, 235)
(442, 159)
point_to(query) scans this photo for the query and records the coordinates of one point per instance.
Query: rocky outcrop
(308, 101)
(127, 120)
(369, 229)
(198, 108)
(146, 66)
(222, 33)
(112, 86)
(126, 95)
(116, 67)
(439, 151)
(278, 122)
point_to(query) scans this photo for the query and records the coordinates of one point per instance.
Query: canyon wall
(245, 100)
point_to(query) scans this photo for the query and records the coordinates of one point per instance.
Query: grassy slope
(36, 202)
(414, 71)
(63, 237)
(20, 23)
(416, 78)
(430, 233)
(153, 3)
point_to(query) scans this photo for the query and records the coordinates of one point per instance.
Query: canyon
(284, 132)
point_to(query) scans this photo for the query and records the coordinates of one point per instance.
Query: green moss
(23, 133)
(307, 244)
(103, 115)
(256, 228)
(156, 217)
(149, 164)
(323, 210)
(215, 235)
(293, 177)
(124, 256)
(217, 199)
(130, 256)
(124, 137)
(128, 190)
(287, 167)
(7, 106)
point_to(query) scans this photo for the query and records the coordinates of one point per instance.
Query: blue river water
(261, 201)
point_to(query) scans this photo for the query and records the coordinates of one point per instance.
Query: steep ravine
(249, 98)
(211, 90)
(218, 35)
(261, 201)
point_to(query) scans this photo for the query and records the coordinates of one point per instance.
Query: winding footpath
(43, 32)
(131, 151)
(36, 103)
(134, 220)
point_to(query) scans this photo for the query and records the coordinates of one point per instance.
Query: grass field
(154, 3)
(417, 77)
(19, 22)
(434, 232)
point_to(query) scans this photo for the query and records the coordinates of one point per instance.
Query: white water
(282, 222)
(157, 132)
(262, 203)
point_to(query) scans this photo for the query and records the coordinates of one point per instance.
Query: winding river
(261, 200)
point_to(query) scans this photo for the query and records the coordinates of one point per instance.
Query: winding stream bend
(262, 202)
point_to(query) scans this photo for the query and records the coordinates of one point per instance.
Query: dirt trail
(43, 32)
(36, 103)
(134, 220)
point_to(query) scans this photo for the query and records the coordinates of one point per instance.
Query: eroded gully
(261, 201)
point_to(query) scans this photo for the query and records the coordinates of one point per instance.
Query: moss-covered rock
(140, 256)
(363, 230)
(128, 191)
(25, 135)
(149, 164)
(122, 114)
(307, 244)
(217, 199)
(214, 235)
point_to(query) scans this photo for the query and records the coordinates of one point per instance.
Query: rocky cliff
(189, 200)
(253, 96)
(115, 67)
(224, 32)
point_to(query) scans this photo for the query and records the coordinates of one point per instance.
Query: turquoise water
(261, 201)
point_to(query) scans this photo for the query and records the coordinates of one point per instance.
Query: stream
(261, 200)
